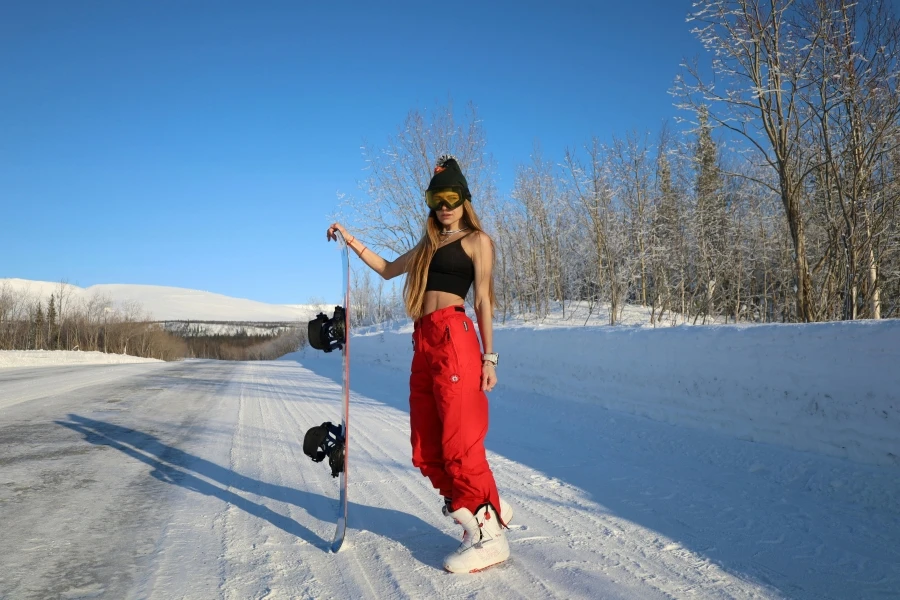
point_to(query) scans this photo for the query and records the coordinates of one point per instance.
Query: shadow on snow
(176, 467)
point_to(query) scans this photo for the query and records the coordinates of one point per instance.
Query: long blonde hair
(417, 274)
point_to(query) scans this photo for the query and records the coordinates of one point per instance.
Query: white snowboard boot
(484, 541)
(506, 510)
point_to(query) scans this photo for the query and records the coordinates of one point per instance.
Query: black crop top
(451, 270)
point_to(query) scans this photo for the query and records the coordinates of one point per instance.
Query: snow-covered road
(188, 480)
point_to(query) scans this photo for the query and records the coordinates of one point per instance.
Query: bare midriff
(437, 300)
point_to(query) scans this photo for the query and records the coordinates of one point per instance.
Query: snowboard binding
(326, 440)
(328, 334)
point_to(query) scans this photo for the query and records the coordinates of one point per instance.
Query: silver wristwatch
(491, 357)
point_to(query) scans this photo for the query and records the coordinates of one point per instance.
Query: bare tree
(632, 169)
(668, 251)
(391, 214)
(592, 193)
(63, 293)
(854, 106)
(761, 64)
(536, 224)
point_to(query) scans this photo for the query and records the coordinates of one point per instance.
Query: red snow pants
(448, 412)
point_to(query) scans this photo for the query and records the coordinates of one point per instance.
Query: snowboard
(328, 440)
(341, 530)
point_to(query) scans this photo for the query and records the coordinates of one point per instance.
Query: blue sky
(203, 144)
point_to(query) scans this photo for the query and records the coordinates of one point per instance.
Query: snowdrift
(831, 388)
(57, 358)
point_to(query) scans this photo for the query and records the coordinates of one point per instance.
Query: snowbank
(832, 388)
(54, 358)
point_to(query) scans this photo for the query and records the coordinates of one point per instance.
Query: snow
(55, 358)
(171, 303)
(626, 452)
(832, 388)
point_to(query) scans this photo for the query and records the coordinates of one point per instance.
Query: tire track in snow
(363, 446)
(187, 557)
(258, 548)
(266, 445)
(18, 385)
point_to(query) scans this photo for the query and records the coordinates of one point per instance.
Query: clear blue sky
(203, 144)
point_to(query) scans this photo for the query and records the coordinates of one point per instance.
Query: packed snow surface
(188, 480)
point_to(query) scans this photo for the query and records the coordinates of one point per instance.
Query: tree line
(243, 345)
(776, 199)
(64, 322)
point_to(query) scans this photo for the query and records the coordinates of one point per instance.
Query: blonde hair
(417, 274)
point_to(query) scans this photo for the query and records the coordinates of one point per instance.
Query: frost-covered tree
(51, 323)
(390, 213)
(760, 64)
(536, 224)
(632, 168)
(854, 108)
(38, 327)
(593, 191)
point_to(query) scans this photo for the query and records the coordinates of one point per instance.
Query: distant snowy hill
(173, 304)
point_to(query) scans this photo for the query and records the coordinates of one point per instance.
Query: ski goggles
(434, 201)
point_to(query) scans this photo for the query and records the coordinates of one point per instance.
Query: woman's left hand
(488, 376)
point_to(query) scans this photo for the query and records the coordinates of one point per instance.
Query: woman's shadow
(172, 465)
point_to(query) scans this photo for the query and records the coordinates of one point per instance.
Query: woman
(448, 408)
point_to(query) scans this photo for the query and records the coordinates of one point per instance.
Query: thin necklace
(454, 231)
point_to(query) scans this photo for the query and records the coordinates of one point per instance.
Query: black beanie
(447, 174)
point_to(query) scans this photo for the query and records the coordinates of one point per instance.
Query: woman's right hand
(331, 234)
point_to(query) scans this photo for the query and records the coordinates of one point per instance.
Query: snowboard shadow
(176, 467)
